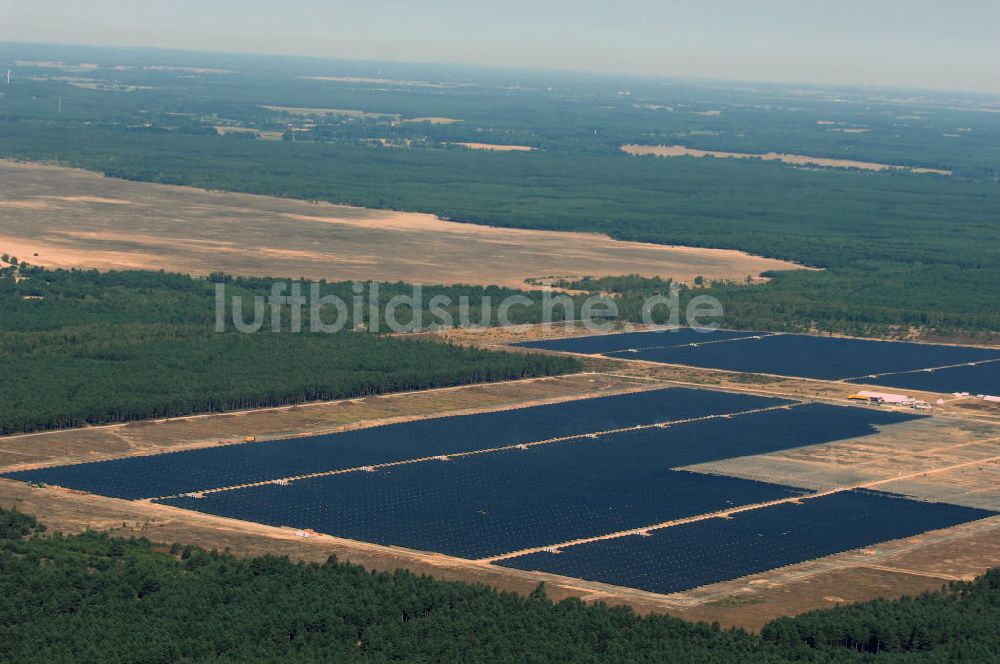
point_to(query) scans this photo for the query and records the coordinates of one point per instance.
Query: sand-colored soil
(434, 120)
(347, 112)
(496, 148)
(795, 159)
(61, 217)
(383, 81)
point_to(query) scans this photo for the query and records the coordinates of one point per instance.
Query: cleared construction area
(105, 223)
(948, 458)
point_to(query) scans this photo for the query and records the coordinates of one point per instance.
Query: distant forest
(106, 599)
(84, 347)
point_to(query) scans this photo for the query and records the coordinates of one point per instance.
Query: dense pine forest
(127, 600)
(84, 347)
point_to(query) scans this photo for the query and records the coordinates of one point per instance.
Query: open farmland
(58, 217)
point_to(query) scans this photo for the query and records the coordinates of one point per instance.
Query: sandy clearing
(796, 159)
(430, 120)
(195, 231)
(496, 148)
(383, 81)
(59, 255)
(24, 205)
(349, 112)
(190, 70)
(87, 199)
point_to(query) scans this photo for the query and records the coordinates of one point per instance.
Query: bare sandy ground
(496, 148)
(796, 159)
(435, 120)
(61, 217)
(384, 81)
(348, 112)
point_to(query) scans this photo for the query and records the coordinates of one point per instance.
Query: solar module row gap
(693, 344)
(604, 343)
(651, 529)
(887, 374)
(178, 472)
(983, 378)
(456, 455)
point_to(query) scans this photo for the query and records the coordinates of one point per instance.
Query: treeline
(944, 622)
(807, 301)
(897, 250)
(84, 347)
(94, 598)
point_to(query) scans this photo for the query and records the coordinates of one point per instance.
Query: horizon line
(556, 71)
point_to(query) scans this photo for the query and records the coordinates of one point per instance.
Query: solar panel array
(230, 465)
(978, 379)
(533, 496)
(494, 503)
(825, 358)
(695, 554)
(478, 507)
(610, 343)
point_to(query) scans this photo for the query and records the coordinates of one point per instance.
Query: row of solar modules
(600, 344)
(825, 358)
(699, 553)
(978, 379)
(484, 505)
(230, 465)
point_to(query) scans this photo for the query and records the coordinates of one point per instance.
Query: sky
(894, 43)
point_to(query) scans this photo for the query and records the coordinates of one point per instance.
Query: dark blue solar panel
(608, 343)
(979, 379)
(827, 358)
(182, 472)
(494, 503)
(758, 433)
(477, 507)
(691, 555)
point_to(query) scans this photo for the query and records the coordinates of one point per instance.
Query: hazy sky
(909, 43)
